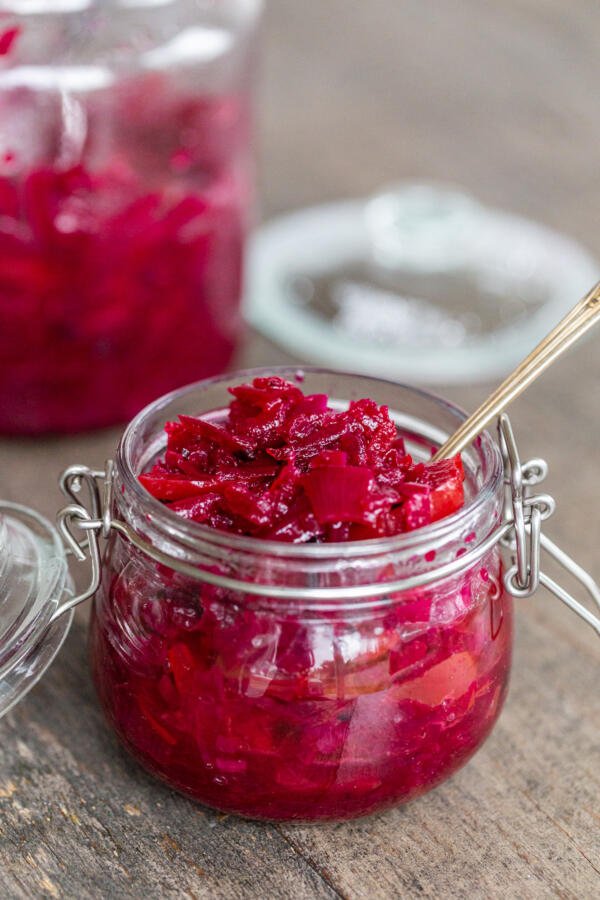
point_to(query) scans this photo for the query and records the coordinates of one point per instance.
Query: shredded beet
(120, 261)
(8, 38)
(283, 465)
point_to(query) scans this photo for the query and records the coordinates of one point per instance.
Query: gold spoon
(583, 316)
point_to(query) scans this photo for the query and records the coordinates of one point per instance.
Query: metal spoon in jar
(583, 316)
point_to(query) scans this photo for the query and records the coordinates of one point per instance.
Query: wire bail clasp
(525, 540)
(92, 521)
(527, 511)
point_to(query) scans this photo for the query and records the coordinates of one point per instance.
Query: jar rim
(194, 532)
(249, 8)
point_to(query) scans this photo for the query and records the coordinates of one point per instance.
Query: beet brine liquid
(257, 696)
(125, 190)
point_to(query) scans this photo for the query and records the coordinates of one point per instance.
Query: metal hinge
(525, 540)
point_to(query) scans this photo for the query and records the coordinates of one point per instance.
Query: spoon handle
(583, 316)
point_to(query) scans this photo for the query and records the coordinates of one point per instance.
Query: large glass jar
(287, 681)
(125, 187)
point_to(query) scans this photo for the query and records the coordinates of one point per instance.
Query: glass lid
(34, 582)
(421, 283)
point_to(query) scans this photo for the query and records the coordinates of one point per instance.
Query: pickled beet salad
(120, 249)
(272, 710)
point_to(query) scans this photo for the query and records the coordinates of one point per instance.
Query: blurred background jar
(125, 193)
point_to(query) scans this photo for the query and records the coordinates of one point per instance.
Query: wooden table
(501, 98)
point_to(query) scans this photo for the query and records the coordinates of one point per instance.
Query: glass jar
(125, 189)
(256, 697)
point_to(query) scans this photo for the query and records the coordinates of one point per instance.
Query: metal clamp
(520, 533)
(525, 540)
(91, 523)
(527, 512)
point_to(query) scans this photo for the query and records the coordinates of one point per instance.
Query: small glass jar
(287, 681)
(257, 700)
(125, 190)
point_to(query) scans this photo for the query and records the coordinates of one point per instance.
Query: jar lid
(421, 283)
(34, 581)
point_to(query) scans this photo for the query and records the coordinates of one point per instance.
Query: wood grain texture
(501, 98)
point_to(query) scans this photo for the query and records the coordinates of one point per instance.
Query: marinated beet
(281, 465)
(276, 708)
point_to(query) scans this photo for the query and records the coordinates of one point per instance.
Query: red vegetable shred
(269, 708)
(8, 38)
